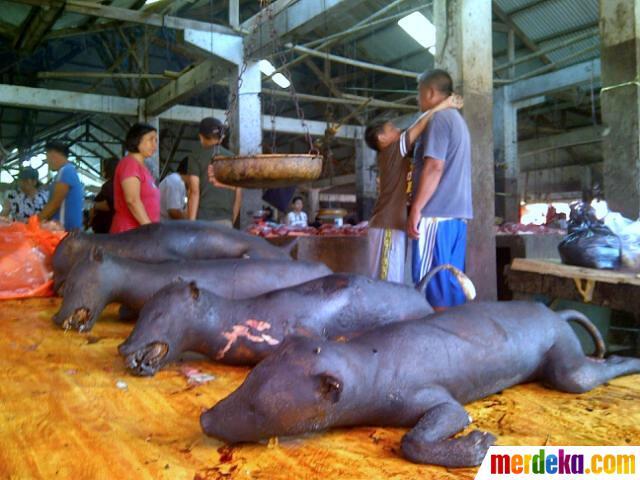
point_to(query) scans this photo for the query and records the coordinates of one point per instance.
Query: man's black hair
(438, 79)
(371, 134)
(296, 198)
(183, 166)
(57, 146)
(135, 134)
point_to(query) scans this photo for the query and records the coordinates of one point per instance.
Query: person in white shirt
(297, 218)
(173, 194)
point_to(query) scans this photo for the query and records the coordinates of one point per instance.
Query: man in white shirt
(173, 194)
(297, 218)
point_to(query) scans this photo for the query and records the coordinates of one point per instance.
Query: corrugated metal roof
(564, 52)
(508, 6)
(544, 23)
(554, 16)
(543, 20)
(391, 44)
(14, 13)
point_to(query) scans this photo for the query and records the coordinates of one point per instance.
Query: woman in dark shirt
(102, 211)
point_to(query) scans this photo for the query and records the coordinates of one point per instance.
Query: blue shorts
(440, 242)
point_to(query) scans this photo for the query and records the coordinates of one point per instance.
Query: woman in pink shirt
(136, 195)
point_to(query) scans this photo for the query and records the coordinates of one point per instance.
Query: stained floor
(69, 409)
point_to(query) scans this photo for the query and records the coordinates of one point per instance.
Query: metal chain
(272, 99)
(279, 52)
(234, 94)
(266, 6)
(325, 143)
(272, 112)
(212, 86)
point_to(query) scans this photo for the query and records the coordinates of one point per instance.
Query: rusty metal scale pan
(267, 170)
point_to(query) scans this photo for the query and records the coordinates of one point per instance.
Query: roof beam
(68, 123)
(551, 48)
(61, 100)
(66, 101)
(282, 17)
(572, 138)
(328, 43)
(289, 15)
(142, 65)
(191, 114)
(142, 17)
(186, 85)
(276, 8)
(571, 31)
(556, 81)
(227, 47)
(366, 30)
(499, 27)
(526, 7)
(506, 19)
(352, 62)
(84, 30)
(316, 128)
(345, 99)
(325, 78)
(37, 25)
(7, 30)
(114, 66)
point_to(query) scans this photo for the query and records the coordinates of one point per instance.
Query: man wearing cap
(29, 199)
(66, 194)
(208, 198)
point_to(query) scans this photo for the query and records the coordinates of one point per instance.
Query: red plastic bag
(25, 259)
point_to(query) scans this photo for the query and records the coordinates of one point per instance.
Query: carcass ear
(195, 291)
(329, 387)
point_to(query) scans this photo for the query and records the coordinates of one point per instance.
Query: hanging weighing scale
(268, 170)
(274, 170)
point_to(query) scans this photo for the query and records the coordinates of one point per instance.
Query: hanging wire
(235, 90)
(284, 61)
(211, 87)
(594, 119)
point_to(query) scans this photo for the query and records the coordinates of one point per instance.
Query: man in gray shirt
(209, 199)
(441, 202)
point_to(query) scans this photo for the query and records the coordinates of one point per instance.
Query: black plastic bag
(589, 242)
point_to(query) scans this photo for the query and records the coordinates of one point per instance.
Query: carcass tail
(465, 282)
(572, 315)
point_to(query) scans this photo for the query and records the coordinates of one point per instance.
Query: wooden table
(62, 415)
(616, 290)
(524, 245)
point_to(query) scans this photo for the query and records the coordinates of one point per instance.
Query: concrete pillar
(314, 204)
(366, 191)
(464, 48)
(246, 131)
(234, 13)
(620, 99)
(505, 148)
